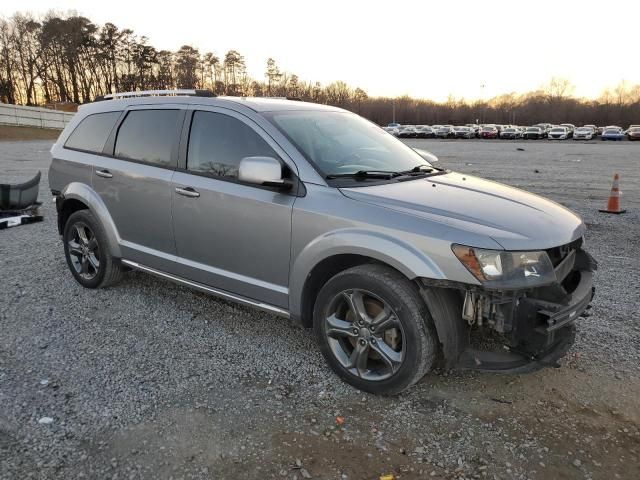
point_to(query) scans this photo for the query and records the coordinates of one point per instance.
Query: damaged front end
(524, 329)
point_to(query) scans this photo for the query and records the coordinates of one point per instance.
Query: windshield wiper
(417, 171)
(365, 174)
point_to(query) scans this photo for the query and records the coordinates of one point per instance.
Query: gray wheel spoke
(355, 300)
(388, 354)
(93, 244)
(93, 261)
(84, 264)
(358, 359)
(74, 248)
(337, 328)
(384, 320)
(82, 234)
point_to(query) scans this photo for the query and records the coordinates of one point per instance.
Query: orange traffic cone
(613, 205)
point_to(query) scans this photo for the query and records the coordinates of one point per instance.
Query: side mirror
(265, 171)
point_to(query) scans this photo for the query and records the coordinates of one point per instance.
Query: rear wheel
(85, 248)
(374, 329)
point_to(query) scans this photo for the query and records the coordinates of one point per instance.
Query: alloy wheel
(365, 334)
(84, 251)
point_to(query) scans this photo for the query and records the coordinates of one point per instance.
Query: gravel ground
(151, 380)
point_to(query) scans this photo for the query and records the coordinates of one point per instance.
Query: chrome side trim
(219, 293)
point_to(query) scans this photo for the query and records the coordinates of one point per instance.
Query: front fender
(85, 194)
(389, 250)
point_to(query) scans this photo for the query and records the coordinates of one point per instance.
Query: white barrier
(33, 116)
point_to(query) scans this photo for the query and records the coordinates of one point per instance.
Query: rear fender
(85, 194)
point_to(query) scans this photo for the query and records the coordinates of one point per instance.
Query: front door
(231, 235)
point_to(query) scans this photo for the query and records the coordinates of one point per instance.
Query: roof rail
(297, 99)
(157, 93)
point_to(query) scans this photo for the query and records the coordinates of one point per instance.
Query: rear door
(135, 182)
(230, 235)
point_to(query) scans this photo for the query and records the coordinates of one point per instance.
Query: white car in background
(559, 133)
(583, 133)
(392, 130)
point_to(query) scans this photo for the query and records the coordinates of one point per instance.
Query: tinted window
(148, 136)
(92, 132)
(218, 142)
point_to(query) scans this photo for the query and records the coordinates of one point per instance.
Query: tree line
(67, 58)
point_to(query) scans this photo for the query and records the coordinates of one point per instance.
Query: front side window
(217, 143)
(148, 136)
(92, 132)
(340, 143)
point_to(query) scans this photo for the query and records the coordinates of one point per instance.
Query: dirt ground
(9, 132)
(151, 380)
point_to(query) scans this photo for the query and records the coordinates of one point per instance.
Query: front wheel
(374, 329)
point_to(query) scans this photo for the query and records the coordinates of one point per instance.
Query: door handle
(187, 192)
(104, 173)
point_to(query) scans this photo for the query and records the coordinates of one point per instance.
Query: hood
(515, 219)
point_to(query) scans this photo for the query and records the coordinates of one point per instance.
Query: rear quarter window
(148, 136)
(92, 132)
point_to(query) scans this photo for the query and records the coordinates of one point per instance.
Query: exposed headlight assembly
(500, 269)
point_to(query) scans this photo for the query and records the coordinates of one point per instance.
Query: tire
(87, 255)
(386, 295)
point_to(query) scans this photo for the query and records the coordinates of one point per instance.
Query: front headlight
(506, 270)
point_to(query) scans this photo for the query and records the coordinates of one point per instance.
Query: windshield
(557, 130)
(583, 130)
(611, 131)
(343, 143)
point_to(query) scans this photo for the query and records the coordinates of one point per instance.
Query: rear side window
(92, 132)
(148, 136)
(218, 142)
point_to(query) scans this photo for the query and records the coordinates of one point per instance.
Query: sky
(427, 49)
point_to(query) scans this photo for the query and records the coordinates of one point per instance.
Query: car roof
(258, 104)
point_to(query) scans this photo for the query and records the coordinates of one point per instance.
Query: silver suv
(316, 214)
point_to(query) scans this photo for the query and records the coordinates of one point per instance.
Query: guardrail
(33, 116)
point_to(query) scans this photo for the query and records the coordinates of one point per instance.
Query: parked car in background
(594, 128)
(407, 131)
(634, 133)
(391, 274)
(511, 133)
(392, 130)
(489, 131)
(544, 127)
(463, 132)
(570, 128)
(424, 131)
(435, 128)
(612, 134)
(396, 125)
(445, 132)
(475, 127)
(533, 133)
(583, 133)
(558, 133)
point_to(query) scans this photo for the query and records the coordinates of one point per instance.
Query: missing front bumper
(534, 328)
